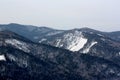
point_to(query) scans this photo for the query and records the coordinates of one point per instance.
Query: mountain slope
(78, 38)
(33, 33)
(115, 35)
(84, 40)
(43, 62)
(87, 42)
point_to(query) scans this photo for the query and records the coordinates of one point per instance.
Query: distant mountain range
(41, 53)
(35, 33)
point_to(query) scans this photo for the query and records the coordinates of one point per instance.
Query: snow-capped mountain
(76, 39)
(72, 41)
(86, 41)
(22, 59)
(83, 40)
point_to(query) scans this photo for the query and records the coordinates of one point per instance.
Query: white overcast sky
(62, 14)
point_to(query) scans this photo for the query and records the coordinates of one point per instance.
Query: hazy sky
(63, 14)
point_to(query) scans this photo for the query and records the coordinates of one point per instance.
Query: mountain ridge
(44, 62)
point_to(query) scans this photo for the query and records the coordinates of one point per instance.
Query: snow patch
(88, 48)
(2, 58)
(18, 44)
(111, 71)
(99, 34)
(11, 57)
(72, 41)
(54, 33)
(42, 40)
(119, 53)
(21, 61)
(58, 42)
(91, 32)
(76, 41)
(102, 39)
(80, 42)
